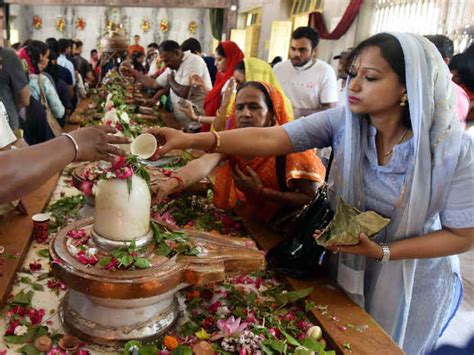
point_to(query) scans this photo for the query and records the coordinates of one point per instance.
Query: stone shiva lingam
(122, 285)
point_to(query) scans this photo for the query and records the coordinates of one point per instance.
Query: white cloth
(66, 63)
(341, 92)
(6, 134)
(309, 86)
(192, 64)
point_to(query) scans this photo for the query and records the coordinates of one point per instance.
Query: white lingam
(120, 214)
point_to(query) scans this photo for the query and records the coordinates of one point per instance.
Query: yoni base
(113, 322)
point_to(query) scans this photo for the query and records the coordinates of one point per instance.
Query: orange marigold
(170, 342)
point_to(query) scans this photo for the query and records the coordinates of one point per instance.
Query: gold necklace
(401, 139)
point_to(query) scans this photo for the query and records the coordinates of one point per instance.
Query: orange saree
(305, 165)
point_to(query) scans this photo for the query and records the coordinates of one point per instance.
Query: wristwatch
(386, 254)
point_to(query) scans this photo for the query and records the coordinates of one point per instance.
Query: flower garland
(145, 25)
(60, 24)
(80, 24)
(192, 27)
(37, 22)
(164, 26)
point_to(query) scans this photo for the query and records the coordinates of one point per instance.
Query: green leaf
(191, 252)
(163, 249)
(126, 260)
(43, 276)
(182, 350)
(43, 252)
(22, 298)
(347, 345)
(142, 263)
(251, 297)
(103, 262)
(37, 287)
(189, 328)
(131, 344)
(132, 247)
(28, 349)
(277, 345)
(21, 339)
(290, 339)
(25, 280)
(149, 350)
(309, 306)
(313, 345)
(290, 297)
(129, 185)
(157, 235)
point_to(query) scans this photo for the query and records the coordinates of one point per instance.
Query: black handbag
(298, 255)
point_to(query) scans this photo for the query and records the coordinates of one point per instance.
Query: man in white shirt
(64, 49)
(180, 67)
(309, 83)
(342, 72)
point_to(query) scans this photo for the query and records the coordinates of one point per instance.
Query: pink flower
(213, 307)
(36, 315)
(86, 187)
(55, 284)
(119, 127)
(166, 218)
(56, 351)
(303, 325)
(84, 259)
(275, 332)
(124, 173)
(208, 322)
(231, 326)
(77, 233)
(11, 327)
(3, 352)
(18, 310)
(35, 266)
(243, 351)
(113, 264)
(119, 163)
(301, 336)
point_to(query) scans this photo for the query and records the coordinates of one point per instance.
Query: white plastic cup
(144, 146)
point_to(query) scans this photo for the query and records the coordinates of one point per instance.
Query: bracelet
(180, 183)
(76, 146)
(217, 143)
(386, 254)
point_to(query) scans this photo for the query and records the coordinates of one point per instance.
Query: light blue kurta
(436, 283)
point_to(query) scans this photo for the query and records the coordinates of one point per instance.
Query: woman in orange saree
(266, 184)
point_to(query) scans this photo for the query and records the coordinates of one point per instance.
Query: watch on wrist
(386, 254)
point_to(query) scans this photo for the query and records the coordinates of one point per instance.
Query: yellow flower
(202, 334)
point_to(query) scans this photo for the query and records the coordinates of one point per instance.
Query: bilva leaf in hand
(348, 223)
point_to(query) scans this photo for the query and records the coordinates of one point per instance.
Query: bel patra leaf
(277, 345)
(28, 349)
(142, 263)
(293, 296)
(23, 298)
(163, 249)
(290, 339)
(105, 261)
(126, 260)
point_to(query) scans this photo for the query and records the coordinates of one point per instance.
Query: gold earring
(404, 100)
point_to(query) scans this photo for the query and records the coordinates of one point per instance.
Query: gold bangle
(217, 142)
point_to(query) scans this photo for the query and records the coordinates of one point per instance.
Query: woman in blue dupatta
(399, 151)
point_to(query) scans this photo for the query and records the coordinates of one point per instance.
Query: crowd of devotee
(387, 131)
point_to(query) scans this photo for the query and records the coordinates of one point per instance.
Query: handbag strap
(43, 98)
(280, 164)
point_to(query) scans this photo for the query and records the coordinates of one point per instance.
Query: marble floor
(461, 328)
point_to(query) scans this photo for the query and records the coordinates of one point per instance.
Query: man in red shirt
(136, 47)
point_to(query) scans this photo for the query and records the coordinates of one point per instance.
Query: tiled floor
(461, 328)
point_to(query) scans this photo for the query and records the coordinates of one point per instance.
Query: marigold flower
(170, 342)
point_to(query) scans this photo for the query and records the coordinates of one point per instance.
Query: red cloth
(23, 55)
(317, 22)
(135, 48)
(233, 56)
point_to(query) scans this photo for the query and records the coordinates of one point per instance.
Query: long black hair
(392, 52)
(36, 49)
